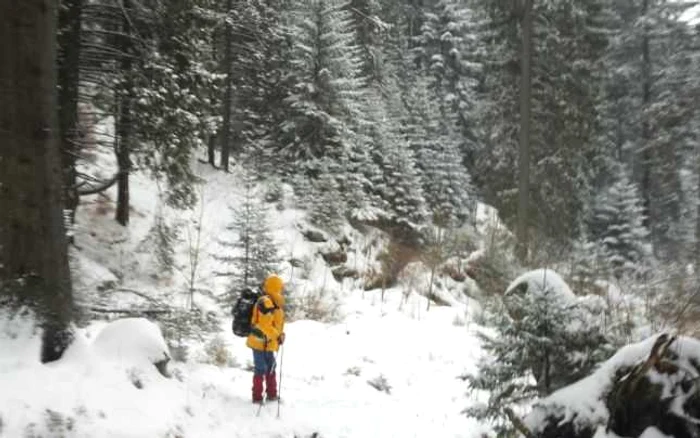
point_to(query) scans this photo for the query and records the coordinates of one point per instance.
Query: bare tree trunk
(226, 134)
(646, 130)
(68, 79)
(33, 245)
(697, 219)
(211, 150)
(524, 154)
(124, 126)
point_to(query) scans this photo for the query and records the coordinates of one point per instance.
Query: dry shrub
(317, 305)
(217, 353)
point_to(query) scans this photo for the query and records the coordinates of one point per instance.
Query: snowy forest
(494, 204)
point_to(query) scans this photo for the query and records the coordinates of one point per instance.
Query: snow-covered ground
(326, 370)
(327, 367)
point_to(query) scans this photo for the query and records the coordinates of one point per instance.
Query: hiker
(266, 335)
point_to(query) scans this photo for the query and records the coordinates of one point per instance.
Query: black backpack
(243, 312)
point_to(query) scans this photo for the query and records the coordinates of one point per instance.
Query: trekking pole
(279, 388)
(257, 414)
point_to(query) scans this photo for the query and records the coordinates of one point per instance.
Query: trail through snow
(325, 389)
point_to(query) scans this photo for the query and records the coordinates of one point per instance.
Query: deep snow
(324, 386)
(326, 367)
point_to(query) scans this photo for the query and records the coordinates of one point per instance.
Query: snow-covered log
(646, 389)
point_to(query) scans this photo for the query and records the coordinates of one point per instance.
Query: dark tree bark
(68, 78)
(524, 152)
(211, 150)
(226, 129)
(697, 219)
(33, 245)
(123, 141)
(646, 134)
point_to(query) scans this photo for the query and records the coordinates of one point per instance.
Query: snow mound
(541, 281)
(135, 340)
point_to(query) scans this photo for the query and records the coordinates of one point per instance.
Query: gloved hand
(280, 340)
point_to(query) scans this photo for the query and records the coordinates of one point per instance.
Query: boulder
(335, 257)
(313, 234)
(341, 272)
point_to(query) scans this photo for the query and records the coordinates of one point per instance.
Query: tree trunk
(226, 134)
(697, 218)
(211, 150)
(68, 78)
(524, 152)
(646, 132)
(124, 126)
(33, 245)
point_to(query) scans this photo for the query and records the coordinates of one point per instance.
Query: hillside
(375, 368)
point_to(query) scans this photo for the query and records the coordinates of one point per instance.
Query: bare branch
(97, 189)
(518, 423)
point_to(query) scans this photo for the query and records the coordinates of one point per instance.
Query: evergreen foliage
(253, 255)
(618, 225)
(542, 341)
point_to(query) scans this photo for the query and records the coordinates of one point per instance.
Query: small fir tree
(253, 255)
(543, 340)
(618, 225)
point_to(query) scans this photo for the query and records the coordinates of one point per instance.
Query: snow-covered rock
(136, 341)
(541, 281)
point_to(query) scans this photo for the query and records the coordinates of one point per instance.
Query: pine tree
(325, 120)
(68, 38)
(540, 336)
(587, 265)
(644, 112)
(253, 255)
(446, 182)
(259, 52)
(34, 269)
(618, 225)
(397, 185)
(448, 52)
(175, 106)
(568, 43)
(326, 206)
(165, 74)
(371, 30)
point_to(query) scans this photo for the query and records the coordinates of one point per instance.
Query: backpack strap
(261, 305)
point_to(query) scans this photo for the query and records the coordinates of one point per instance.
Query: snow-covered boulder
(133, 341)
(646, 389)
(541, 281)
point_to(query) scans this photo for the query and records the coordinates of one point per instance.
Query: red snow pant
(265, 365)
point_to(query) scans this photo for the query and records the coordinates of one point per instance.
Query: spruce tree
(397, 185)
(325, 203)
(645, 111)
(175, 107)
(160, 91)
(618, 225)
(447, 50)
(259, 48)
(325, 121)
(543, 340)
(568, 43)
(446, 182)
(253, 254)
